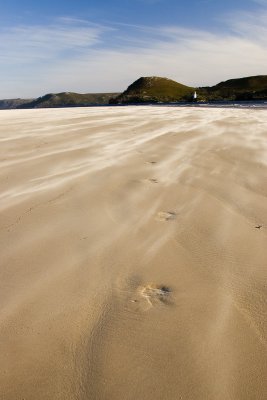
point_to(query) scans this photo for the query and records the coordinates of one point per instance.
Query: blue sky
(104, 45)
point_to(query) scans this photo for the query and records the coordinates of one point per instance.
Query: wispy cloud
(76, 55)
(250, 26)
(27, 44)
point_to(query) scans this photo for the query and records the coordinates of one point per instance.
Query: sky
(92, 46)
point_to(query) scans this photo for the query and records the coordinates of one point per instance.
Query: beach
(133, 254)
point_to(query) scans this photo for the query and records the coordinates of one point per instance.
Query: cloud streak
(27, 44)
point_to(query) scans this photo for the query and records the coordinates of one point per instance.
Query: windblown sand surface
(133, 254)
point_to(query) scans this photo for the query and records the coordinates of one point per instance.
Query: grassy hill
(69, 99)
(154, 90)
(248, 88)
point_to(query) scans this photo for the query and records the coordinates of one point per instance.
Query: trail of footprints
(152, 293)
(161, 215)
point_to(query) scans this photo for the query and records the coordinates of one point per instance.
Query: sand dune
(133, 254)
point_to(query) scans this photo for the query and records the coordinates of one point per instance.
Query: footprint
(150, 180)
(156, 294)
(165, 216)
(258, 226)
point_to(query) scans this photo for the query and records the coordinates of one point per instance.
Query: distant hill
(248, 88)
(69, 99)
(12, 103)
(154, 89)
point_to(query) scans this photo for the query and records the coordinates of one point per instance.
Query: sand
(133, 254)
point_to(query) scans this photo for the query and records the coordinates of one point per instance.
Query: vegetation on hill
(69, 99)
(154, 90)
(249, 88)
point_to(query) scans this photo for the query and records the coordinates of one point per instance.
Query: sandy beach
(133, 254)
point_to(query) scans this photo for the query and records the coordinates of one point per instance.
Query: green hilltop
(154, 90)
